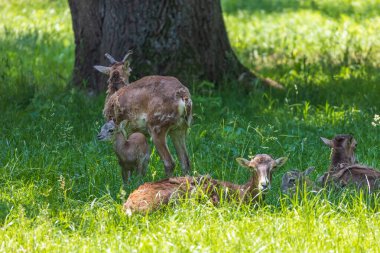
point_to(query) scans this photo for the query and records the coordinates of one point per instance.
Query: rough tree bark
(183, 38)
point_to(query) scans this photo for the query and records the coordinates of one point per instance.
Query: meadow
(60, 188)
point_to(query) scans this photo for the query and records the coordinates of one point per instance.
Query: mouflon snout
(107, 131)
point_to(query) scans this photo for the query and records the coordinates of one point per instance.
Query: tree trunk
(182, 38)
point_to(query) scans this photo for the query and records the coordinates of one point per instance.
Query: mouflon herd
(161, 106)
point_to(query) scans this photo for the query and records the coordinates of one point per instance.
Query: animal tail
(188, 110)
(186, 103)
(128, 212)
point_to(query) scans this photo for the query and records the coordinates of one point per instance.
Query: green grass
(61, 189)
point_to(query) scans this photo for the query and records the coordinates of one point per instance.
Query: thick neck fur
(246, 192)
(338, 158)
(251, 191)
(114, 86)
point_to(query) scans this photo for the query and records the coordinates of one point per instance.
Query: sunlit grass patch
(100, 225)
(61, 190)
(37, 48)
(286, 38)
(333, 9)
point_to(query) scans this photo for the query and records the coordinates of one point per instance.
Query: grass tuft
(61, 189)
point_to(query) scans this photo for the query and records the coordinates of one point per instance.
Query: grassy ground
(61, 189)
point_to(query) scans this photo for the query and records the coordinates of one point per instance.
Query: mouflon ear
(281, 161)
(327, 142)
(243, 162)
(102, 69)
(308, 171)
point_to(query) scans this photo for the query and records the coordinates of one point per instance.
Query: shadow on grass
(30, 63)
(338, 85)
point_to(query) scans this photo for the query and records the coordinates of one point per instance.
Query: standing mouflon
(132, 153)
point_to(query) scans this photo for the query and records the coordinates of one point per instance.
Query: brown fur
(118, 74)
(344, 170)
(151, 196)
(149, 94)
(155, 105)
(116, 80)
(132, 153)
(343, 150)
(358, 175)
